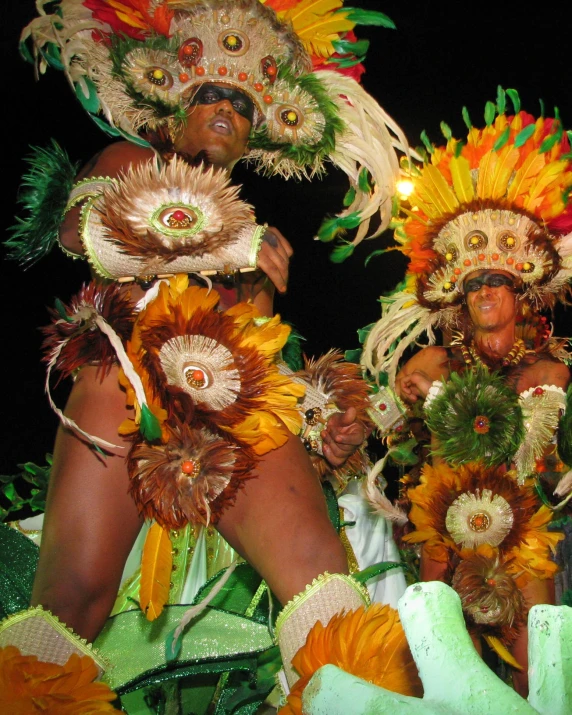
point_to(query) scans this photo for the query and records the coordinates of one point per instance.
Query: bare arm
(112, 161)
(416, 376)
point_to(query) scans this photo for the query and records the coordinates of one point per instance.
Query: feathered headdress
(138, 64)
(500, 199)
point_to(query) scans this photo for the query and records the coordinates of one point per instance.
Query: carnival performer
(488, 234)
(194, 82)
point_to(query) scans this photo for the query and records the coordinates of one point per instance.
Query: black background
(442, 56)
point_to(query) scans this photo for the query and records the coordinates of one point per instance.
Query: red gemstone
(539, 391)
(179, 215)
(188, 467)
(383, 406)
(242, 76)
(198, 375)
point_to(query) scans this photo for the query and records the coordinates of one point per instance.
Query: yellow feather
(462, 182)
(550, 174)
(486, 173)
(315, 24)
(156, 564)
(506, 161)
(525, 176)
(502, 652)
(437, 190)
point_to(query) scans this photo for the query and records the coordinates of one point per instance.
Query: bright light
(404, 188)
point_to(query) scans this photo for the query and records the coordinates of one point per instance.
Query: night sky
(443, 55)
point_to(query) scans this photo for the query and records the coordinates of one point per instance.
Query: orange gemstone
(518, 266)
(481, 256)
(200, 71)
(457, 271)
(198, 375)
(510, 260)
(222, 71)
(467, 261)
(258, 86)
(267, 99)
(188, 467)
(183, 77)
(495, 256)
(242, 76)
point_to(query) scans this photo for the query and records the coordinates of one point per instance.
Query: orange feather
(156, 565)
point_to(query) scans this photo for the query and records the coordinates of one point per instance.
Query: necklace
(513, 357)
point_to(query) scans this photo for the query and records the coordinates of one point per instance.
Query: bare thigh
(91, 521)
(280, 524)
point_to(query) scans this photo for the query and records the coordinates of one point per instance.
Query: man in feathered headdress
(196, 83)
(488, 235)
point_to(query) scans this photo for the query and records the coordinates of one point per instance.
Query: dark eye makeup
(492, 280)
(214, 93)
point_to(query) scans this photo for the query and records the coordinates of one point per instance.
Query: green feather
(502, 140)
(344, 62)
(61, 311)
(363, 181)
(332, 226)
(105, 127)
(467, 118)
(341, 252)
(375, 570)
(542, 108)
(446, 131)
(353, 356)
(501, 100)
(490, 113)
(292, 352)
(149, 425)
(459, 148)
(345, 47)
(379, 252)
(451, 419)
(515, 99)
(90, 102)
(425, 139)
(349, 197)
(565, 431)
(524, 135)
(364, 332)
(42, 200)
(367, 17)
(551, 140)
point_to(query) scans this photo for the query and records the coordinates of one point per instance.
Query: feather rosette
(492, 602)
(190, 479)
(368, 642)
(74, 338)
(218, 366)
(177, 210)
(515, 521)
(341, 385)
(30, 686)
(476, 417)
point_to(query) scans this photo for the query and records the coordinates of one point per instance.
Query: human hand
(274, 257)
(413, 386)
(342, 436)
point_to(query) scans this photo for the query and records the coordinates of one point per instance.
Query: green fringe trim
(451, 418)
(42, 198)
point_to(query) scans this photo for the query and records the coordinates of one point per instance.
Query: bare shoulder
(545, 371)
(115, 159)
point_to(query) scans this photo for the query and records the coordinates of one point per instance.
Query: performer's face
(218, 122)
(491, 299)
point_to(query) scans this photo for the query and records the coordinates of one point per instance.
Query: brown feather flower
(29, 686)
(190, 479)
(225, 362)
(368, 642)
(73, 338)
(343, 385)
(492, 601)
